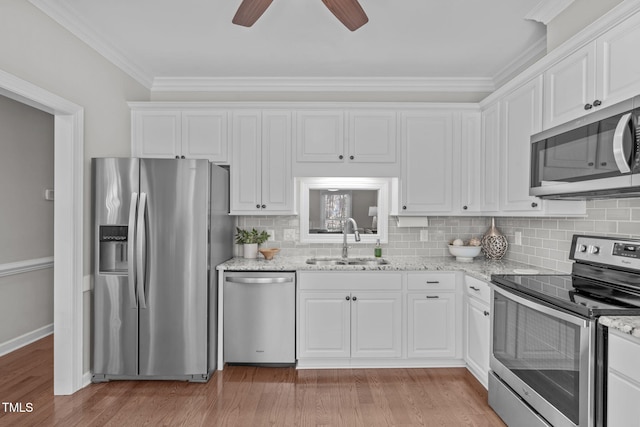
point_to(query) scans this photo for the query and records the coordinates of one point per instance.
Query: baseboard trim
(26, 339)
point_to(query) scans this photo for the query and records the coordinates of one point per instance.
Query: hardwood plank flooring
(246, 396)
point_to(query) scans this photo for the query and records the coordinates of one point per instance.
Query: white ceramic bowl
(465, 253)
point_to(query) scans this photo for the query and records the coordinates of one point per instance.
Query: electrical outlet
(518, 238)
(289, 234)
(272, 235)
(424, 235)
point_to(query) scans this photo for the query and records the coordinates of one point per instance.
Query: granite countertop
(479, 268)
(627, 324)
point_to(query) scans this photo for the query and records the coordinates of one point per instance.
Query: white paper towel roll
(412, 221)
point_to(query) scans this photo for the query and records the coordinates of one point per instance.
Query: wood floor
(245, 396)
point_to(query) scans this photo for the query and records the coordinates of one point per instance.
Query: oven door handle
(574, 319)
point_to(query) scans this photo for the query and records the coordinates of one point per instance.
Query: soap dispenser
(378, 249)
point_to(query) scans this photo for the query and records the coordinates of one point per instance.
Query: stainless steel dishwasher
(259, 318)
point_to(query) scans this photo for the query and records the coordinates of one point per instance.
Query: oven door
(546, 357)
(590, 155)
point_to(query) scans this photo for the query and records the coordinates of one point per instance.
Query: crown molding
(546, 10)
(63, 15)
(529, 56)
(324, 84)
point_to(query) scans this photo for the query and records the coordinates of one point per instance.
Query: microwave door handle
(618, 144)
(131, 235)
(141, 250)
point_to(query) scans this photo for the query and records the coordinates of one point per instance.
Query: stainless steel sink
(347, 261)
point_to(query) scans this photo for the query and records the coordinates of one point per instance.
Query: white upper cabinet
(372, 136)
(427, 162)
(570, 88)
(521, 117)
(599, 74)
(191, 134)
(471, 166)
(261, 180)
(156, 134)
(347, 141)
(490, 158)
(320, 136)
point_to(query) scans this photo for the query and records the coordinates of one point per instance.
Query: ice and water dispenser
(113, 249)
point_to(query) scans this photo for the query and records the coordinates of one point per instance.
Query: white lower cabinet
(349, 315)
(623, 391)
(378, 319)
(477, 328)
(431, 325)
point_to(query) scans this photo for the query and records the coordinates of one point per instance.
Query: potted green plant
(250, 239)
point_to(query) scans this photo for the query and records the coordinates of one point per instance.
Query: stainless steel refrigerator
(161, 227)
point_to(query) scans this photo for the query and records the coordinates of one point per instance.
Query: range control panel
(607, 251)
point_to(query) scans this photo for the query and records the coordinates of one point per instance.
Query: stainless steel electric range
(548, 353)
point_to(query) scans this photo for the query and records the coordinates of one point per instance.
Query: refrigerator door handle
(141, 250)
(131, 235)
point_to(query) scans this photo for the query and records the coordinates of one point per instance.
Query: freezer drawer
(259, 318)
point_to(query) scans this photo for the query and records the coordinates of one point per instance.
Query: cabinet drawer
(330, 280)
(624, 354)
(429, 281)
(477, 288)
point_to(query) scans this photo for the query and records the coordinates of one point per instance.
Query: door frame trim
(68, 227)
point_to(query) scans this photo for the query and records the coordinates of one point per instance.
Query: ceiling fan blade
(349, 12)
(249, 12)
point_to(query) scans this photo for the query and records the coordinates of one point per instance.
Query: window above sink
(326, 202)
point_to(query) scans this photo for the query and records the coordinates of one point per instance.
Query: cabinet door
(471, 168)
(618, 67)
(569, 85)
(477, 336)
(372, 137)
(376, 324)
(431, 325)
(427, 168)
(521, 117)
(277, 179)
(245, 174)
(623, 396)
(490, 159)
(156, 134)
(320, 136)
(204, 135)
(324, 320)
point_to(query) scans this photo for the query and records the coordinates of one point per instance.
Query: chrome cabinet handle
(486, 313)
(341, 157)
(432, 297)
(474, 288)
(432, 282)
(258, 280)
(588, 106)
(354, 298)
(597, 103)
(351, 157)
(347, 297)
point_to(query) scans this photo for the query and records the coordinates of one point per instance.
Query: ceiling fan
(349, 12)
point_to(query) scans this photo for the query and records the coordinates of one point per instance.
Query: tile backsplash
(545, 242)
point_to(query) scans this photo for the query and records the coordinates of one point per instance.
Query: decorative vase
(250, 250)
(494, 244)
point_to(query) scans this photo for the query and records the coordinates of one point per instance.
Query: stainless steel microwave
(597, 156)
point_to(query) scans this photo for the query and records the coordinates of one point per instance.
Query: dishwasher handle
(258, 280)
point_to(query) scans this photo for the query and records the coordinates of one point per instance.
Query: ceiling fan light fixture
(349, 12)
(249, 12)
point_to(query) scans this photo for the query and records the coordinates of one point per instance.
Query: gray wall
(26, 218)
(574, 18)
(35, 48)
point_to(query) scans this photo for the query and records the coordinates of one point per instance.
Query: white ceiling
(477, 43)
